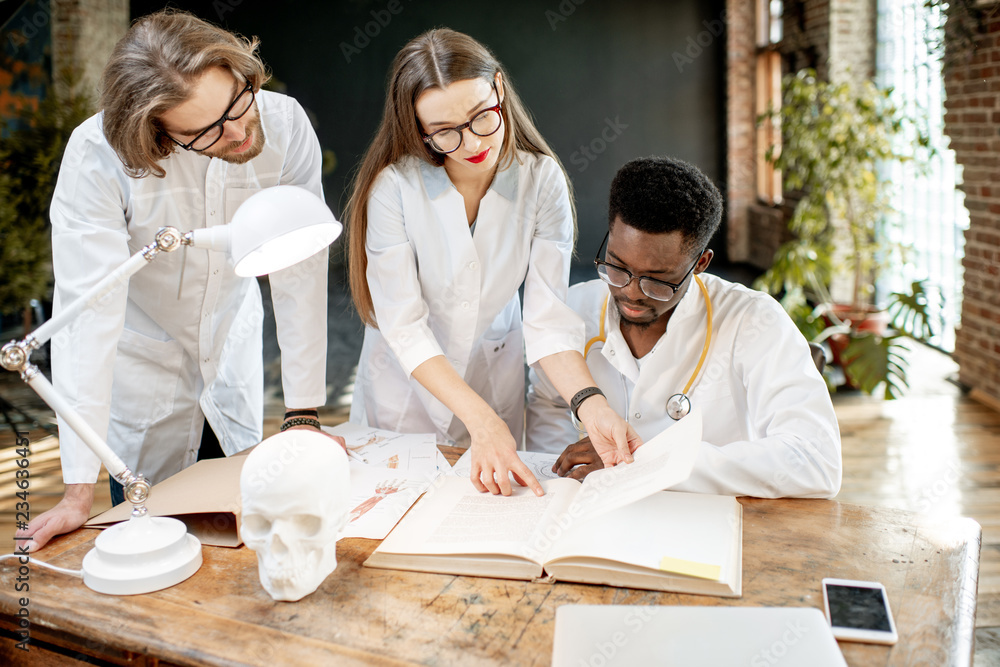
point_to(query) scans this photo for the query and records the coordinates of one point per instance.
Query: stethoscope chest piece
(678, 406)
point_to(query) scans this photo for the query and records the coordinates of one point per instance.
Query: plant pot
(868, 319)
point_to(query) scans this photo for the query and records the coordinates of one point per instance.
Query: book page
(691, 534)
(454, 518)
(662, 462)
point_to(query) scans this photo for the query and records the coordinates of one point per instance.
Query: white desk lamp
(272, 230)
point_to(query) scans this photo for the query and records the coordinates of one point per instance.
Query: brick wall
(807, 35)
(852, 40)
(83, 34)
(741, 190)
(972, 119)
(770, 230)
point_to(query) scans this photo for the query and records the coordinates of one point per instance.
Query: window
(768, 98)
(931, 217)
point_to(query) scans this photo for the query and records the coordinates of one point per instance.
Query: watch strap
(580, 397)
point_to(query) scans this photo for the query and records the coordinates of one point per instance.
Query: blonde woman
(457, 202)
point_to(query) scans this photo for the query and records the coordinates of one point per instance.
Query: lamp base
(141, 555)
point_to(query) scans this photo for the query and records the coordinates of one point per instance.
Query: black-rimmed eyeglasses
(210, 135)
(485, 123)
(617, 276)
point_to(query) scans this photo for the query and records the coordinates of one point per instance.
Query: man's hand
(494, 458)
(613, 438)
(69, 514)
(578, 460)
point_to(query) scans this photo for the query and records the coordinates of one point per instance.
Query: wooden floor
(934, 451)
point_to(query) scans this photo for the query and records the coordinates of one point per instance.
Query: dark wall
(606, 81)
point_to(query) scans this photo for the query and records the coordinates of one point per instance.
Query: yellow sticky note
(690, 568)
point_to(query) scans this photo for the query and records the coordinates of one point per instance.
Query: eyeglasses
(617, 276)
(210, 135)
(485, 123)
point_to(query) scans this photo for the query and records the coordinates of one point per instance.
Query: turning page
(662, 462)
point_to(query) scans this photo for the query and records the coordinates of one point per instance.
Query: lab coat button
(472, 266)
(465, 305)
(612, 353)
(638, 415)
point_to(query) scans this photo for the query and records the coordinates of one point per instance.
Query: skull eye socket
(255, 526)
(307, 525)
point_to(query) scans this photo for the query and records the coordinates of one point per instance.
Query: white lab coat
(147, 366)
(769, 425)
(440, 290)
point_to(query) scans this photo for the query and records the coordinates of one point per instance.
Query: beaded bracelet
(300, 421)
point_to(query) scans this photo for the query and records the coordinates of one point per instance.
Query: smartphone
(858, 611)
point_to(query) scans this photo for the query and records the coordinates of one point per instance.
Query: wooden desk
(222, 616)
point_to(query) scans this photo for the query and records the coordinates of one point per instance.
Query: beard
(256, 147)
(642, 323)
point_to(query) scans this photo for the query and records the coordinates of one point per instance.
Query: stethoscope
(678, 405)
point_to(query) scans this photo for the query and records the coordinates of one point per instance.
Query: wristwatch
(578, 399)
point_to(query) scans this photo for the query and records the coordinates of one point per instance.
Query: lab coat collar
(436, 180)
(505, 182)
(617, 351)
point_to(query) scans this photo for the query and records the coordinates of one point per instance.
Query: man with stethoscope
(663, 335)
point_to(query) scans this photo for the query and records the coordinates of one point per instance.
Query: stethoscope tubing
(682, 402)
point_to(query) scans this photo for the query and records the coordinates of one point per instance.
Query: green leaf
(871, 360)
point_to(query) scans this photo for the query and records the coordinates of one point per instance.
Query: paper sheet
(379, 499)
(416, 453)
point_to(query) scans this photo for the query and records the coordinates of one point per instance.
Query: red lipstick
(476, 159)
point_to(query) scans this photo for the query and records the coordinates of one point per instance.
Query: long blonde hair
(435, 59)
(153, 68)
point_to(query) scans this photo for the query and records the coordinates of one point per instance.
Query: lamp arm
(16, 356)
(167, 239)
(37, 381)
(109, 284)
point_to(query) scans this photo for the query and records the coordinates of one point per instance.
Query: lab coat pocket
(146, 375)
(505, 372)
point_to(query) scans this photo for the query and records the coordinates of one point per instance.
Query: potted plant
(834, 135)
(31, 148)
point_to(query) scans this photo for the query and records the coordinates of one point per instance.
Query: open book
(615, 528)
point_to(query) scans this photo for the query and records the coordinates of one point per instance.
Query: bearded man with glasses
(169, 370)
(662, 335)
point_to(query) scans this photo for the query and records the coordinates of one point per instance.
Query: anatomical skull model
(295, 488)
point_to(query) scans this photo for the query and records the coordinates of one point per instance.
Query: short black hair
(659, 195)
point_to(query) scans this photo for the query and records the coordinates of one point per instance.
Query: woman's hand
(613, 438)
(494, 459)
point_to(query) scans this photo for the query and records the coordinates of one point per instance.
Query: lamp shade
(278, 227)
